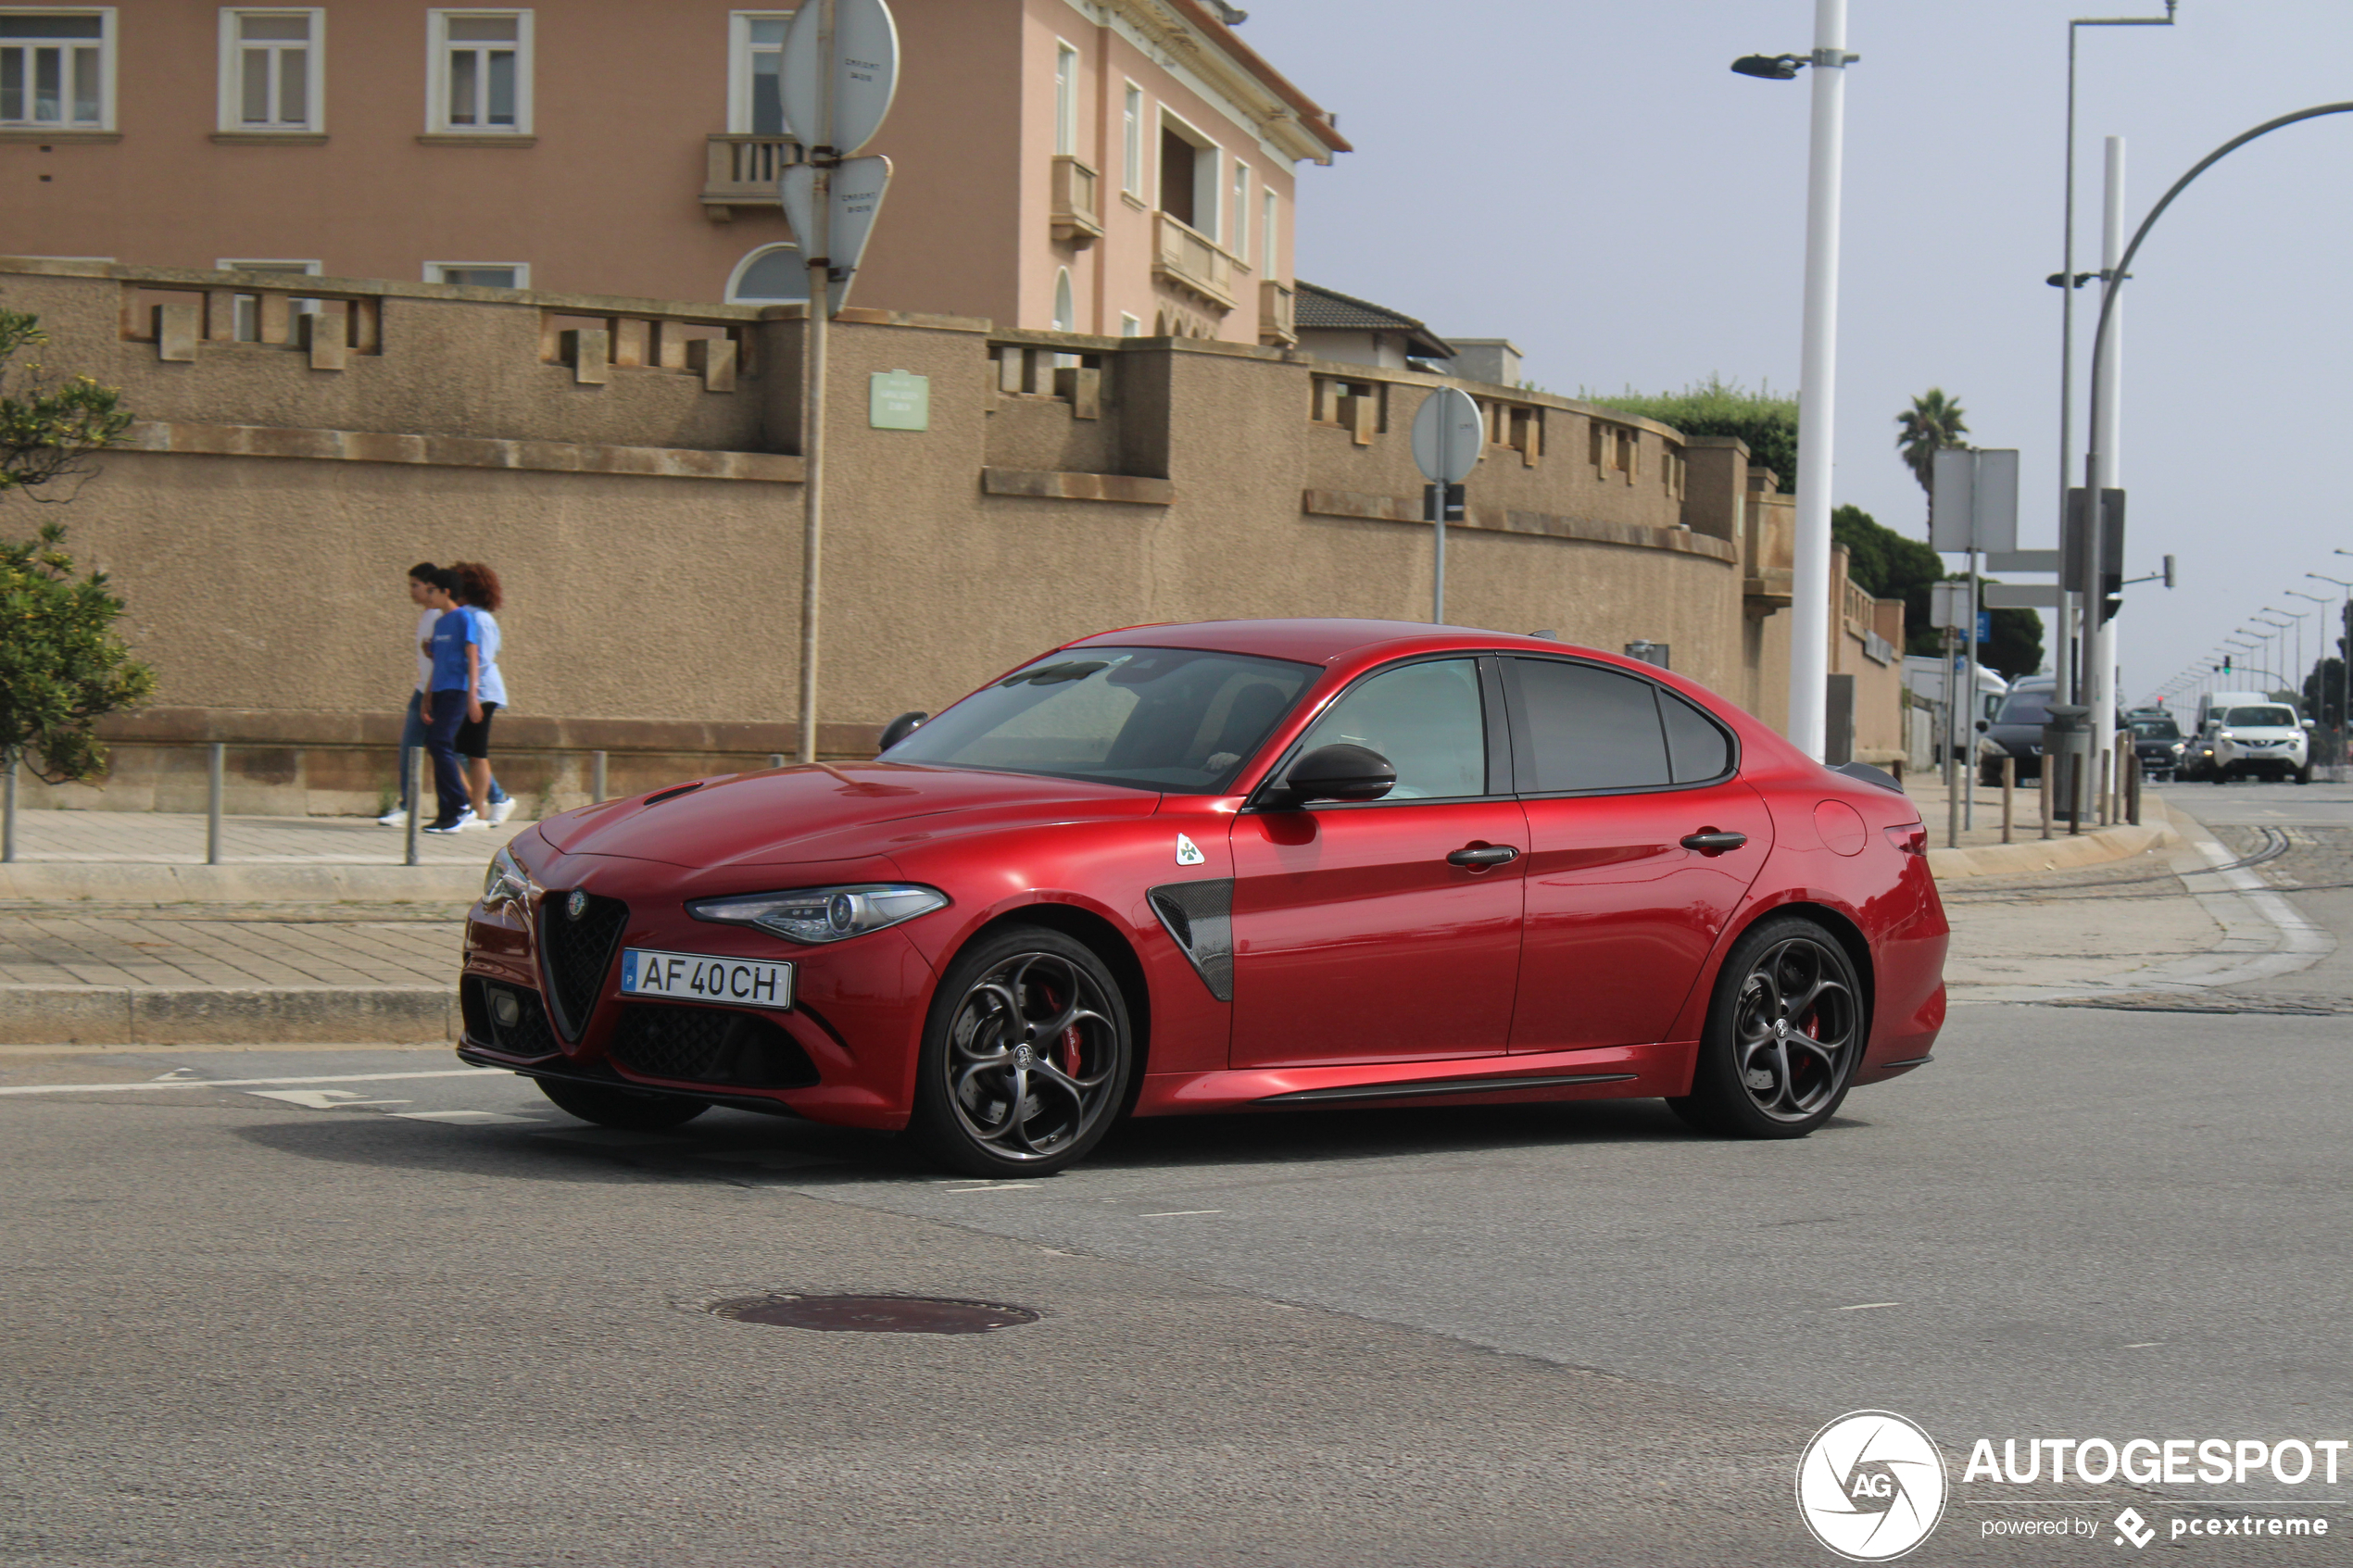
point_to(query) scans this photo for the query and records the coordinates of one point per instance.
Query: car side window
(1428, 719)
(1697, 750)
(1590, 728)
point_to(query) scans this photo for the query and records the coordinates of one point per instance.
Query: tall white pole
(2107, 429)
(816, 249)
(1809, 631)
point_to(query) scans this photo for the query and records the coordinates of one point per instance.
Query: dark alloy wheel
(621, 1108)
(1785, 1031)
(1025, 1057)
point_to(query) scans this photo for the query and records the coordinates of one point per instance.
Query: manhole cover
(873, 1314)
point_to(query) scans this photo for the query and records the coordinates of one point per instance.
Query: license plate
(703, 978)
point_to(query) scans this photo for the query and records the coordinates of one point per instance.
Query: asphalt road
(430, 1320)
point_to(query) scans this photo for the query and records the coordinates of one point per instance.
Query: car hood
(826, 811)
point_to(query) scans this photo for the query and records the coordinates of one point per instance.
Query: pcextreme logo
(1870, 1485)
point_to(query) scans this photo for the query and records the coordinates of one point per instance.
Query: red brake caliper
(1070, 1052)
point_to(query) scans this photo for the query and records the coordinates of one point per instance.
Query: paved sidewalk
(174, 839)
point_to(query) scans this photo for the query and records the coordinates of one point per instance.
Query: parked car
(1243, 865)
(2016, 731)
(2158, 742)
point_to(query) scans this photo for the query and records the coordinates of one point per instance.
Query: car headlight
(2180, 746)
(506, 881)
(823, 914)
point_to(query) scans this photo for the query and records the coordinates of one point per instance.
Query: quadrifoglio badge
(1871, 1485)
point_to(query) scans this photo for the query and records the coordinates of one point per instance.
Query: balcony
(741, 171)
(1192, 263)
(1277, 319)
(1077, 220)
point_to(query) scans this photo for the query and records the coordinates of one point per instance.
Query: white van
(2253, 735)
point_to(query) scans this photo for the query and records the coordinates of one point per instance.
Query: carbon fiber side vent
(1200, 915)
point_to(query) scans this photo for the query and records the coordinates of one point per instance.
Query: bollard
(216, 761)
(419, 778)
(776, 760)
(2132, 791)
(596, 776)
(2100, 805)
(2009, 795)
(8, 810)
(2043, 780)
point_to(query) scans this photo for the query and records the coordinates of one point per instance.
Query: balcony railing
(741, 171)
(1193, 261)
(1078, 222)
(1277, 314)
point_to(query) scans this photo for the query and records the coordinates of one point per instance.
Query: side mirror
(1337, 772)
(899, 728)
(2306, 723)
(1983, 725)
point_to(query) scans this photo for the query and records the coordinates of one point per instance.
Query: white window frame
(744, 266)
(1270, 211)
(1209, 166)
(107, 32)
(437, 53)
(233, 97)
(1130, 325)
(1239, 194)
(1065, 98)
(433, 270)
(739, 66)
(1132, 140)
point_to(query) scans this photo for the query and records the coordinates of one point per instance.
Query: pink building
(1116, 167)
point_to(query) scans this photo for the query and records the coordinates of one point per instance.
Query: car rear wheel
(1784, 1033)
(621, 1108)
(1025, 1057)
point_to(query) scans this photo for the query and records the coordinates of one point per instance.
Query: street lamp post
(2344, 665)
(1817, 373)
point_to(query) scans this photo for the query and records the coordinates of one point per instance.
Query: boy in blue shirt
(453, 697)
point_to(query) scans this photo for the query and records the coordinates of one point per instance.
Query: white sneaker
(500, 810)
(395, 817)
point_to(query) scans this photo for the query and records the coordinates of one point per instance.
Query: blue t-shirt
(449, 640)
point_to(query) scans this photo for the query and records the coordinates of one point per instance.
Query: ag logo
(1870, 1485)
(576, 906)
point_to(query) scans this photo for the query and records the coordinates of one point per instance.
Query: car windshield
(2155, 729)
(1164, 719)
(2266, 718)
(2026, 708)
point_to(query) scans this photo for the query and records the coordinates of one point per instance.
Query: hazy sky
(1590, 180)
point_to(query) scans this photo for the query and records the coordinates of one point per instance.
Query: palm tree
(1933, 421)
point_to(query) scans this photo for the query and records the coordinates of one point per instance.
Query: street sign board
(855, 78)
(1450, 435)
(1948, 605)
(856, 187)
(898, 400)
(2022, 560)
(1973, 500)
(2021, 596)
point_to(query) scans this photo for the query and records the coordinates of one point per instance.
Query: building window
(1065, 306)
(756, 47)
(57, 70)
(1238, 240)
(249, 305)
(480, 274)
(1266, 235)
(769, 275)
(1188, 189)
(1130, 326)
(1065, 98)
(1131, 142)
(271, 68)
(481, 73)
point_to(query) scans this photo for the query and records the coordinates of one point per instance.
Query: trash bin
(2067, 752)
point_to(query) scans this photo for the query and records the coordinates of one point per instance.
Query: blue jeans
(413, 735)
(449, 767)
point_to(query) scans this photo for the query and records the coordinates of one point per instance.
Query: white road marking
(175, 1073)
(467, 1118)
(322, 1099)
(1179, 1214)
(1865, 1306)
(247, 1082)
(2144, 1345)
(1001, 1187)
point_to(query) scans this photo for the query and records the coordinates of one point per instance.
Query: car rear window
(2264, 718)
(2026, 708)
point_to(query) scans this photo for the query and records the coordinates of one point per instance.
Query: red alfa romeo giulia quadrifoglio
(1240, 865)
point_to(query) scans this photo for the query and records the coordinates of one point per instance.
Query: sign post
(1450, 435)
(1972, 508)
(837, 75)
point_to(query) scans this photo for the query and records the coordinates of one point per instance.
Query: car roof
(1323, 640)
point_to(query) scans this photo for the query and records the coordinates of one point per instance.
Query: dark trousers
(413, 735)
(441, 745)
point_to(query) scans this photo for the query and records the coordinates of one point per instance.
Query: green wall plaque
(898, 400)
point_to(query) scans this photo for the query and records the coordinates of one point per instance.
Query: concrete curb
(139, 1015)
(2054, 854)
(148, 883)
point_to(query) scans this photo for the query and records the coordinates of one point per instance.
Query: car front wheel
(1785, 1031)
(1026, 1056)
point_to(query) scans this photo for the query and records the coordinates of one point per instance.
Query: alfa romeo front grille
(698, 1044)
(577, 954)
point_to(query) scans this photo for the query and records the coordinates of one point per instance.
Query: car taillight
(1911, 839)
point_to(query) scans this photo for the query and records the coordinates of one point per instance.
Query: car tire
(2304, 774)
(628, 1108)
(1026, 1056)
(1748, 1083)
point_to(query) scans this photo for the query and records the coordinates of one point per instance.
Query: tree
(1886, 565)
(62, 668)
(1932, 423)
(1763, 419)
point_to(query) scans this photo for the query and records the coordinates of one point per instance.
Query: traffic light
(2226, 664)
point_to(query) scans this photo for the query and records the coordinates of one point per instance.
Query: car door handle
(1710, 842)
(1484, 855)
